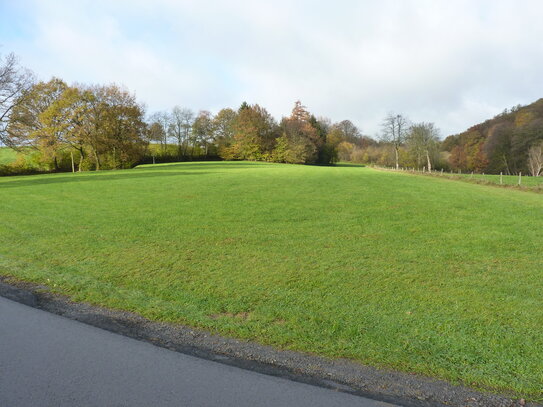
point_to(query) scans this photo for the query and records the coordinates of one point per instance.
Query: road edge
(389, 386)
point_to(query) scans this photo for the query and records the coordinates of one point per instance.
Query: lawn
(415, 273)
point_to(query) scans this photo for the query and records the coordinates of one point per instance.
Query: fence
(519, 180)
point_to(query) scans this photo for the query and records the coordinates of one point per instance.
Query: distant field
(7, 155)
(419, 274)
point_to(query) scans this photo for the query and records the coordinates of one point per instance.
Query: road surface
(48, 360)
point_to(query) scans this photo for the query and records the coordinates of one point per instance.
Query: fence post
(519, 178)
(501, 178)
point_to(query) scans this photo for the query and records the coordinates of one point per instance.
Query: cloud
(453, 63)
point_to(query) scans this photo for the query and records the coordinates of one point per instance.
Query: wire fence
(519, 180)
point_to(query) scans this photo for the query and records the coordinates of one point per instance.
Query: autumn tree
(223, 125)
(66, 118)
(300, 139)
(254, 137)
(123, 126)
(497, 148)
(31, 123)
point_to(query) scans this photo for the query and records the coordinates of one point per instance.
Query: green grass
(415, 273)
(526, 180)
(7, 155)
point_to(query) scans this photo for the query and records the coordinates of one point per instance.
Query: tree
(164, 120)
(535, 159)
(65, 119)
(123, 127)
(326, 150)
(155, 132)
(395, 127)
(255, 132)
(497, 147)
(14, 83)
(180, 128)
(223, 125)
(32, 123)
(203, 130)
(300, 136)
(422, 141)
(350, 132)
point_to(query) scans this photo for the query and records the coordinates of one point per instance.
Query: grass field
(415, 273)
(7, 155)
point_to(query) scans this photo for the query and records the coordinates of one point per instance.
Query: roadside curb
(340, 375)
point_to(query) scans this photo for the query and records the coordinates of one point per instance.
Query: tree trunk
(429, 163)
(97, 157)
(396, 150)
(506, 165)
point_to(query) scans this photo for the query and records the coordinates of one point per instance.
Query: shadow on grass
(93, 177)
(204, 165)
(349, 165)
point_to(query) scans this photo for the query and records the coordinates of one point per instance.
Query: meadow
(419, 274)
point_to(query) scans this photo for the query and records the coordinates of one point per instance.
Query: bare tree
(395, 127)
(163, 119)
(14, 82)
(535, 159)
(422, 141)
(203, 129)
(181, 127)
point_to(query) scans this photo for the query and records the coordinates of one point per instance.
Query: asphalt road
(48, 360)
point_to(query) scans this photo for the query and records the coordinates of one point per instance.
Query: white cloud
(453, 63)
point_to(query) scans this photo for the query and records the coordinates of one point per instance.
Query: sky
(452, 62)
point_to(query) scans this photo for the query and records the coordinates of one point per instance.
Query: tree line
(79, 127)
(510, 143)
(248, 133)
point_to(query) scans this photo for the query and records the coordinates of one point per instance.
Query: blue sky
(454, 63)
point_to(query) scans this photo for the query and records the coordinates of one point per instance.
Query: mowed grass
(408, 272)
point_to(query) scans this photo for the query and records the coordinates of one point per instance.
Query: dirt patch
(243, 316)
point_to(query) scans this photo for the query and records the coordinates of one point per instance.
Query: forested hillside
(510, 143)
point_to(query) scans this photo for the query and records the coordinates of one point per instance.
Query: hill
(501, 144)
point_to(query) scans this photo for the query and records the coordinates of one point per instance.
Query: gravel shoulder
(338, 374)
